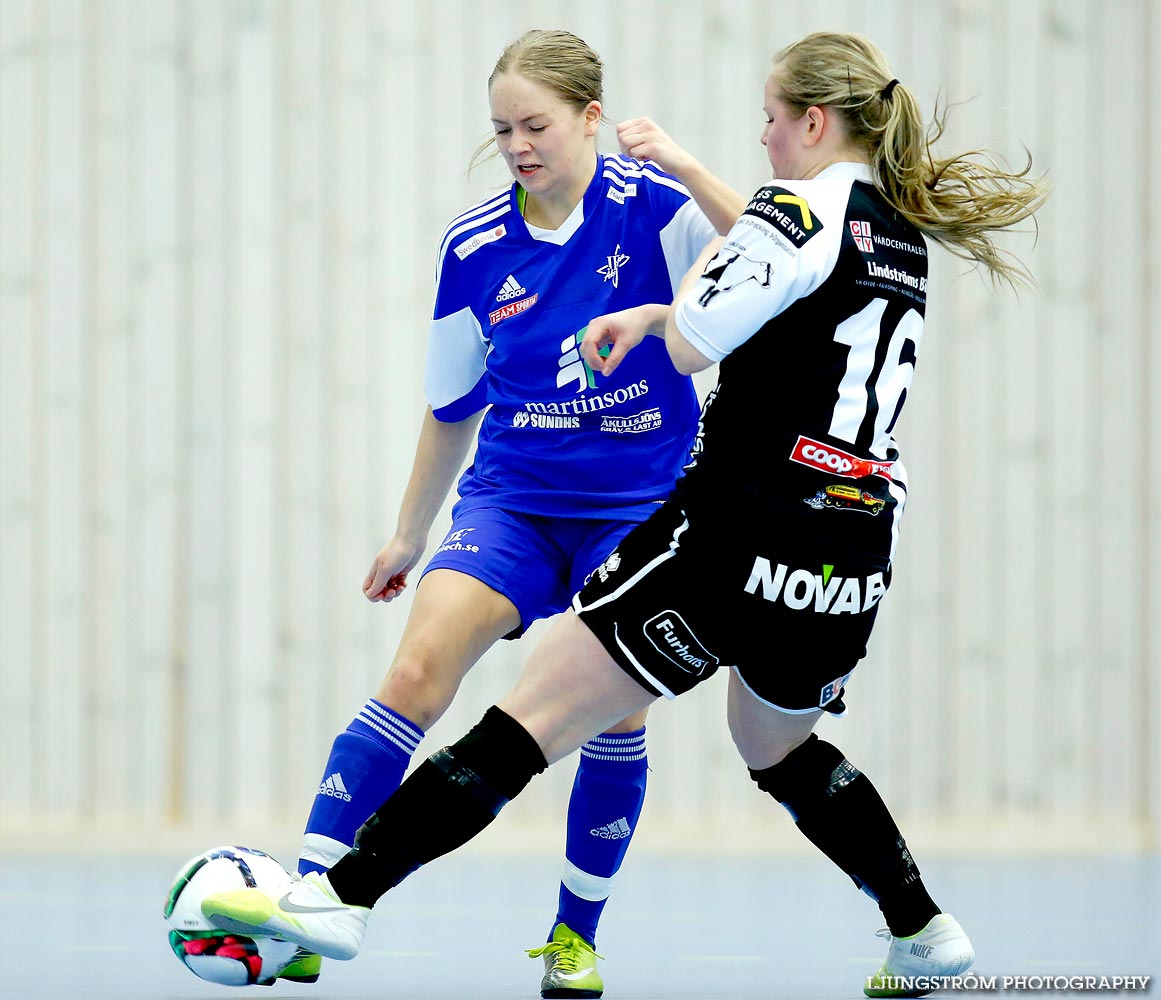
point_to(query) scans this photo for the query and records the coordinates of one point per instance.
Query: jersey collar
(585, 208)
(847, 170)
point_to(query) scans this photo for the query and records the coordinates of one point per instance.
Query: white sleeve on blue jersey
(456, 350)
(760, 270)
(683, 238)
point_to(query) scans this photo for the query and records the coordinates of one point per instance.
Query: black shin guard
(839, 811)
(450, 798)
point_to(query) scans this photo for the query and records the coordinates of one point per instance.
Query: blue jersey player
(564, 467)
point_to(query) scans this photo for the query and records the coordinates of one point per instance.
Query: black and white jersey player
(782, 529)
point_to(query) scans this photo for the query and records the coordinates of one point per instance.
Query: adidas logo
(334, 788)
(512, 290)
(614, 831)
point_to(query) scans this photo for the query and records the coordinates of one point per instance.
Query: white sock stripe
(322, 850)
(615, 750)
(581, 883)
(616, 742)
(404, 729)
(618, 757)
(403, 744)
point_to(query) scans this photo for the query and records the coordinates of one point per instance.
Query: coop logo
(638, 423)
(544, 421)
(334, 788)
(861, 231)
(473, 244)
(511, 289)
(674, 640)
(799, 589)
(511, 309)
(787, 213)
(827, 458)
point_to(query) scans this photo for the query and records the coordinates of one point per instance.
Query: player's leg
(608, 793)
(838, 809)
(570, 691)
(610, 782)
(454, 619)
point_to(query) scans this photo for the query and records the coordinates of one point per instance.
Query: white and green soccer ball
(207, 951)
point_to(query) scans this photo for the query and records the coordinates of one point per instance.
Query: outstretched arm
(644, 139)
(438, 458)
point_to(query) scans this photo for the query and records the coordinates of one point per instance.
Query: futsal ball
(208, 952)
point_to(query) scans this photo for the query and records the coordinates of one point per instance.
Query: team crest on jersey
(614, 262)
(788, 214)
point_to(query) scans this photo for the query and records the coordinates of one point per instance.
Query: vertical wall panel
(22, 115)
(254, 346)
(1150, 377)
(206, 725)
(306, 655)
(1019, 455)
(1069, 503)
(154, 447)
(62, 593)
(1120, 295)
(107, 280)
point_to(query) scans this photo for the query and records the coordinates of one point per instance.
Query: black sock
(839, 811)
(450, 797)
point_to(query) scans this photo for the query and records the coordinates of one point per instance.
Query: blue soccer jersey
(512, 304)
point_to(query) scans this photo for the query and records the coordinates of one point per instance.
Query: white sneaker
(307, 912)
(917, 964)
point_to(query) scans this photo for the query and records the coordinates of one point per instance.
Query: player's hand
(387, 578)
(644, 139)
(610, 337)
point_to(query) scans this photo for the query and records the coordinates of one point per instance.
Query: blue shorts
(536, 562)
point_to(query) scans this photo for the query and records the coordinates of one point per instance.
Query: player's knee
(807, 775)
(416, 691)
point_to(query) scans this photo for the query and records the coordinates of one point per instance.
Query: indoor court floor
(676, 928)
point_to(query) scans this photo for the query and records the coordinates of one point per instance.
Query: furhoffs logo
(674, 640)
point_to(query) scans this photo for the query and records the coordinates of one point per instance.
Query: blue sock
(366, 765)
(607, 796)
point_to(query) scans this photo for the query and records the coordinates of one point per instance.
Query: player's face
(780, 134)
(549, 146)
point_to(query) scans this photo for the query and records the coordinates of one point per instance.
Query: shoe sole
(962, 964)
(566, 994)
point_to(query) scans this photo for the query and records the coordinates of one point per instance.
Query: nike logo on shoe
(580, 974)
(286, 905)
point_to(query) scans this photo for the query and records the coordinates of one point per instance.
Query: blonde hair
(958, 200)
(557, 60)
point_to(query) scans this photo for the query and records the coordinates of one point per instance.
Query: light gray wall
(218, 221)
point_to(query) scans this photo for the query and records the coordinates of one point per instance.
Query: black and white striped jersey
(814, 306)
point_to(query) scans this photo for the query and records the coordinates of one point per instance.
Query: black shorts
(675, 602)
